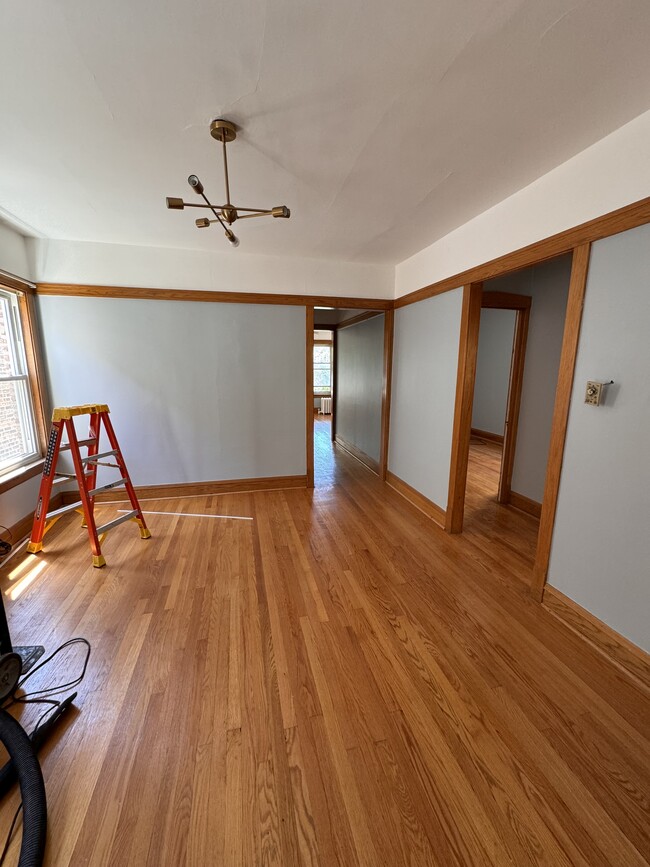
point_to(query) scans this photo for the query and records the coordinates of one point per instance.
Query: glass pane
(17, 440)
(9, 359)
(322, 377)
(322, 354)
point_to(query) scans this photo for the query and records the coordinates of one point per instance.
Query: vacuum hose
(32, 789)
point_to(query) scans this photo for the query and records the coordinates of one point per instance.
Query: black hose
(32, 790)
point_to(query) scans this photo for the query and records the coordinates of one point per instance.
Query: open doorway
(348, 388)
(520, 334)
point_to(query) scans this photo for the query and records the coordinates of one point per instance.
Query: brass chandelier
(223, 131)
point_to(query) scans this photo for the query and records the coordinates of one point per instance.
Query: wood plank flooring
(334, 682)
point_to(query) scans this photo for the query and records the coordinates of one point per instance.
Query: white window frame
(9, 300)
(328, 393)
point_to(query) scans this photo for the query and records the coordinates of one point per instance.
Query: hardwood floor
(326, 678)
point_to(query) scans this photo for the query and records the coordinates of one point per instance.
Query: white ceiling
(382, 124)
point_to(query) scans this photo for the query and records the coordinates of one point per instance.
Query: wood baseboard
(424, 504)
(21, 529)
(362, 457)
(620, 650)
(199, 489)
(525, 504)
(486, 435)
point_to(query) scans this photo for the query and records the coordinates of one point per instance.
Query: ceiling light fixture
(223, 131)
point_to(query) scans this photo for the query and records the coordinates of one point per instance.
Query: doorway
(521, 314)
(346, 398)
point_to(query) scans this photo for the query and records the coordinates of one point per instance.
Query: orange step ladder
(85, 472)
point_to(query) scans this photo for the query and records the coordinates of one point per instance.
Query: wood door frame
(467, 353)
(521, 305)
(389, 328)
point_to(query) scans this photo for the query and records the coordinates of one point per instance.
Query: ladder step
(65, 446)
(107, 487)
(92, 458)
(63, 510)
(109, 526)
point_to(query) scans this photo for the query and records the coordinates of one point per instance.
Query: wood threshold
(357, 453)
(424, 504)
(486, 435)
(620, 220)
(573, 321)
(620, 650)
(151, 294)
(190, 489)
(525, 504)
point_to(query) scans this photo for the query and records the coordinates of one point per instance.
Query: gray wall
(360, 375)
(548, 284)
(601, 545)
(197, 391)
(425, 363)
(493, 369)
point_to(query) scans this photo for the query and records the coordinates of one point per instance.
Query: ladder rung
(62, 511)
(107, 487)
(64, 446)
(92, 458)
(106, 527)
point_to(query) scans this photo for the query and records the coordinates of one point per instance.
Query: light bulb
(232, 238)
(196, 184)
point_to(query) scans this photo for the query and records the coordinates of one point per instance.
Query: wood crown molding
(89, 291)
(628, 217)
(620, 650)
(415, 498)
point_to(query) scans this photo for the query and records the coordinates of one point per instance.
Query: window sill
(16, 477)
(323, 395)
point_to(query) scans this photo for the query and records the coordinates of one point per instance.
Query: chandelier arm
(223, 225)
(256, 214)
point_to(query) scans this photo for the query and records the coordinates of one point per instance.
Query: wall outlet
(594, 393)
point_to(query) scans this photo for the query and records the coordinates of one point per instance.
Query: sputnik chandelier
(223, 131)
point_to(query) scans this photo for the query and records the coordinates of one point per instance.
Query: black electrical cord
(23, 760)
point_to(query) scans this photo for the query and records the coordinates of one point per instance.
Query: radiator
(326, 405)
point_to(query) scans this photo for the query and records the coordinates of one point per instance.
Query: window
(322, 368)
(18, 439)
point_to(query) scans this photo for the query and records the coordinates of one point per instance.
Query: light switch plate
(593, 393)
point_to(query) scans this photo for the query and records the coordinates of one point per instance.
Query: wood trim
(21, 475)
(35, 367)
(309, 397)
(197, 489)
(577, 286)
(386, 392)
(513, 402)
(628, 217)
(524, 504)
(506, 300)
(355, 320)
(149, 294)
(335, 385)
(356, 452)
(487, 435)
(620, 650)
(424, 504)
(467, 352)
(11, 281)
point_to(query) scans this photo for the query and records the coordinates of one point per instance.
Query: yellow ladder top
(62, 412)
